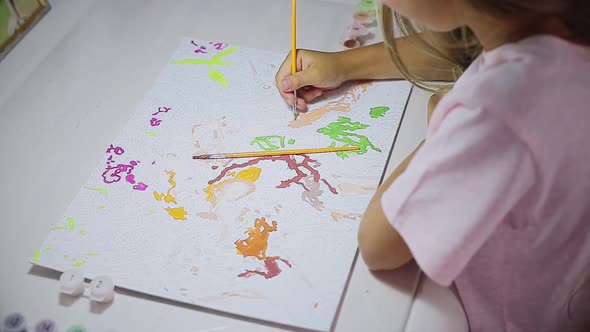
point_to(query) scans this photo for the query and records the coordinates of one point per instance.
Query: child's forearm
(374, 62)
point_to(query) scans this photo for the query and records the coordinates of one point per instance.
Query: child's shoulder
(542, 66)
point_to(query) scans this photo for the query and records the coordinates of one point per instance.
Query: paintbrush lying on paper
(273, 153)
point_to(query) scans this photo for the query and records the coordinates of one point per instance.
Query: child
(497, 198)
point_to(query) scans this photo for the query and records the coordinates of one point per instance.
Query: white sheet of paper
(271, 238)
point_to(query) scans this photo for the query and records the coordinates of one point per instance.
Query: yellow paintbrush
(294, 51)
(273, 153)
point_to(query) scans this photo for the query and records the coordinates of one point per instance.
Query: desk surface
(69, 87)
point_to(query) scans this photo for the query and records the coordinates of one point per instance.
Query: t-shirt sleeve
(459, 187)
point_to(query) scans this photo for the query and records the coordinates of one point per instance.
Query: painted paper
(272, 237)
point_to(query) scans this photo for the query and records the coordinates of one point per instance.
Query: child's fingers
(309, 93)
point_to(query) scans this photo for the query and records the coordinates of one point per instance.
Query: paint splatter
(215, 60)
(272, 142)
(378, 112)
(341, 105)
(343, 131)
(305, 170)
(150, 133)
(177, 213)
(255, 245)
(99, 190)
(315, 305)
(38, 254)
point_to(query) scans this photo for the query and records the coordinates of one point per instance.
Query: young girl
(497, 198)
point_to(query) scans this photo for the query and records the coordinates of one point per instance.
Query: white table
(68, 88)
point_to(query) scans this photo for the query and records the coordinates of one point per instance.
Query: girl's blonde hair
(460, 47)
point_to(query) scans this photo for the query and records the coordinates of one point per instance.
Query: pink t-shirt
(498, 198)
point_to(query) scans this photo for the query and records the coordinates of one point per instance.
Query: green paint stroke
(79, 263)
(215, 60)
(343, 131)
(378, 112)
(368, 6)
(70, 223)
(91, 254)
(150, 133)
(100, 207)
(270, 143)
(38, 254)
(100, 190)
(83, 232)
(76, 328)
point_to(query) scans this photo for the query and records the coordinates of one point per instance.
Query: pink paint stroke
(272, 269)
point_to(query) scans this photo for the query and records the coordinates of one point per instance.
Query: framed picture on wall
(17, 17)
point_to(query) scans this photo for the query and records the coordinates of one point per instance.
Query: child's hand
(316, 71)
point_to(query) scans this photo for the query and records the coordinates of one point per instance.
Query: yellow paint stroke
(178, 213)
(257, 242)
(83, 232)
(340, 105)
(168, 198)
(38, 254)
(70, 223)
(100, 207)
(150, 133)
(249, 175)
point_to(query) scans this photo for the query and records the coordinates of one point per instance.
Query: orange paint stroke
(247, 177)
(341, 105)
(337, 216)
(168, 198)
(255, 246)
(208, 215)
(257, 242)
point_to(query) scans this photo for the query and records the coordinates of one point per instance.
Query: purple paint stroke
(162, 109)
(155, 122)
(118, 150)
(114, 174)
(140, 186)
(130, 178)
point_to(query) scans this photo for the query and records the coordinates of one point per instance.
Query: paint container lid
(72, 282)
(102, 289)
(14, 322)
(46, 325)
